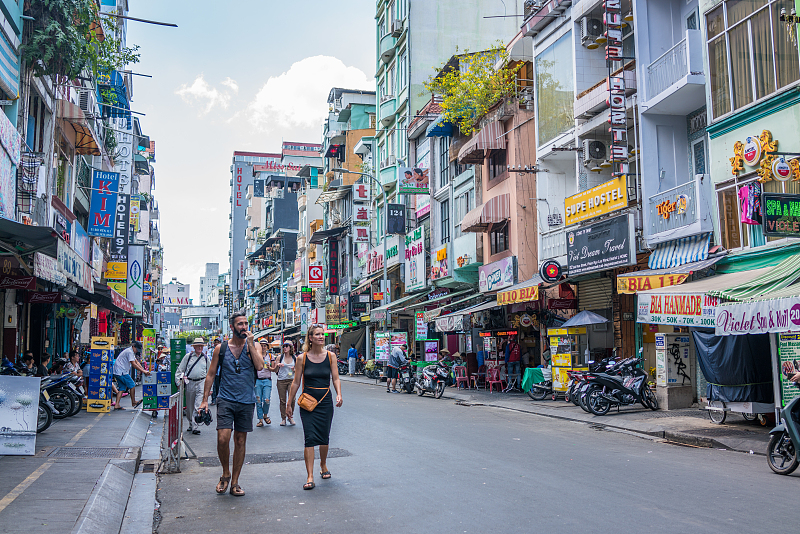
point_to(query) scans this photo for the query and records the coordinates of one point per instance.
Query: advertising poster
(439, 265)
(497, 275)
(382, 346)
(19, 409)
(422, 327)
(431, 350)
(789, 356)
(105, 186)
(414, 181)
(399, 338)
(758, 317)
(415, 259)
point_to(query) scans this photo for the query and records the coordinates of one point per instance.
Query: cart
(718, 410)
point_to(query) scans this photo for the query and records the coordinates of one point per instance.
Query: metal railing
(670, 67)
(658, 223)
(554, 243)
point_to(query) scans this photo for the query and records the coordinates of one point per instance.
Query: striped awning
(490, 137)
(773, 280)
(85, 142)
(496, 209)
(676, 253)
(9, 66)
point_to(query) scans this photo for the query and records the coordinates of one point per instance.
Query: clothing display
(750, 203)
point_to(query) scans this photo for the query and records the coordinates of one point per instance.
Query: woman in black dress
(315, 368)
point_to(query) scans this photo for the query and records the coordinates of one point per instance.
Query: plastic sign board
(315, 276)
(601, 200)
(105, 186)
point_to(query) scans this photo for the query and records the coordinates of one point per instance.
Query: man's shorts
(391, 372)
(235, 415)
(124, 382)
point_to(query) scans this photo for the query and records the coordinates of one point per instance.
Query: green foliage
(62, 40)
(191, 335)
(470, 91)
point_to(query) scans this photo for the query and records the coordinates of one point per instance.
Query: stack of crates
(156, 389)
(177, 349)
(101, 361)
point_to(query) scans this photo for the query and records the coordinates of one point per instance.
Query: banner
(415, 260)
(632, 284)
(685, 309)
(46, 268)
(121, 302)
(760, 317)
(497, 275)
(136, 277)
(413, 181)
(514, 296)
(104, 202)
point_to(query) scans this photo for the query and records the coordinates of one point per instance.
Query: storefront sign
(119, 287)
(306, 295)
(116, 270)
(413, 181)
(687, 309)
(439, 264)
(97, 261)
(760, 317)
(604, 245)
(759, 151)
(315, 278)
(497, 275)
(8, 281)
(46, 268)
(781, 170)
(42, 297)
(76, 269)
(423, 206)
(121, 302)
(136, 277)
(375, 259)
(789, 355)
(421, 326)
(103, 203)
(632, 284)
(605, 198)
(333, 267)
(377, 296)
(383, 346)
(562, 304)
(523, 294)
(452, 323)
(119, 241)
(550, 271)
(781, 215)
(361, 215)
(415, 259)
(439, 293)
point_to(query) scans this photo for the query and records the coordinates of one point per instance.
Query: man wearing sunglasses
(238, 360)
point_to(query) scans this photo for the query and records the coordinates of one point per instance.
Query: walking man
(352, 356)
(396, 360)
(193, 370)
(122, 373)
(238, 361)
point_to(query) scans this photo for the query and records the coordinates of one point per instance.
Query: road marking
(25, 484)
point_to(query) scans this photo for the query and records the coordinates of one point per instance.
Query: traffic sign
(315, 278)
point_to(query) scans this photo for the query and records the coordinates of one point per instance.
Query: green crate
(150, 403)
(177, 349)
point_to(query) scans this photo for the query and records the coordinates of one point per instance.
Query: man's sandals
(236, 490)
(222, 486)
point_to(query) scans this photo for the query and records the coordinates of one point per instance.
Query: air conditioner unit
(590, 29)
(397, 27)
(279, 193)
(88, 102)
(593, 150)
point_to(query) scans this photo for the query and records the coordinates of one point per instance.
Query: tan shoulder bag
(306, 401)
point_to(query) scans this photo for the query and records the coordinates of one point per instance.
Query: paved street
(410, 464)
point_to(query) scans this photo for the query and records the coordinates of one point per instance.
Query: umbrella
(585, 318)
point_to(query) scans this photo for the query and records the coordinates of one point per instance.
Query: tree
(469, 91)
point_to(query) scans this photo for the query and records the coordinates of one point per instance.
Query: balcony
(594, 100)
(302, 201)
(553, 244)
(679, 212)
(675, 81)
(301, 243)
(387, 109)
(387, 47)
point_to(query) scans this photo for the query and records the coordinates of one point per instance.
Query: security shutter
(595, 294)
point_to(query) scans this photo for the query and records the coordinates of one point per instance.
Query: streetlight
(387, 294)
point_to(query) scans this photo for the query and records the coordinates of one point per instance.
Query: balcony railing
(677, 217)
(554, 244)
(667, 69)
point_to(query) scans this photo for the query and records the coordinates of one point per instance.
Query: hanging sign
(550, 271)
(8, 281)
(333, 267)
(135, 292)
(306, 295)
(415, 259)
(116, 270)
(413, 181)
(42, 297)
(685, 309)
(600, 200)
(617, 115)
(119, 241)
(397, 219)
(105, 186)
(601, 246)
(781, 215)
(632, 284)
(315, 277)
(497, 275)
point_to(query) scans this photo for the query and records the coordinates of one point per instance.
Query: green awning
(764, 256)
(777, 278)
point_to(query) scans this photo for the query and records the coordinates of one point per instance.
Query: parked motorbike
(540, 390)
(433, 380)
(371, 370)
(629, 387)
(782, 455)
(46, 412)
(343, 366)
(407, 378)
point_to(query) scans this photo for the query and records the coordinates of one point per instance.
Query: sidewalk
(689, 426)
(81, 476)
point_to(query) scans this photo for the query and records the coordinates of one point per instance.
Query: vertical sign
(789, 355)
(333, 266)
(415, 259)
(105, 186)
(617, 118)
(422, 327)
(119, 241)
(315, 278)
(397, 219)
(136, 277)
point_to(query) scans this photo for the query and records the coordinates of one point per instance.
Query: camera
(203, 416)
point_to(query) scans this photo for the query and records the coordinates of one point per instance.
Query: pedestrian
(285, 369)
(217, 343)
(512, 359)
(264, 386)
(238, 360)
(316, 368)
(396, 360)
(352, 356)
(192, 371)
(122, 373)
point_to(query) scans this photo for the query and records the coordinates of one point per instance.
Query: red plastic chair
(493, 377)
(460, 372)
(479, 377)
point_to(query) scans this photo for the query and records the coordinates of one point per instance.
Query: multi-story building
(208, 283)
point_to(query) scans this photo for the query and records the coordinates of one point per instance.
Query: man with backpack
(193, 370)
(238, 360)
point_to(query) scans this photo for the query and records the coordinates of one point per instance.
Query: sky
(234, 75)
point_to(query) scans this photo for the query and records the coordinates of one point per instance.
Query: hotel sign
(605, 198)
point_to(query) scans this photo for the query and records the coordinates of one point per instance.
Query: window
(497, 164)
(444, 161)
(445, 206)
(390, 143)
(402, 145)
(750, 53)
(402, 70)
(390, 81)
(382, 28)
(554, 87)
(402, 9)
(463, 203)
(498, 238)
(372, 121)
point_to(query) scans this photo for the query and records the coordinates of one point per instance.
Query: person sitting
(41, 369)
(58, 367)
(28, 367)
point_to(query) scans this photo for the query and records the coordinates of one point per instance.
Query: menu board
(382, 346)
(789, 355)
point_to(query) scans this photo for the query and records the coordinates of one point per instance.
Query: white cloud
(298, 97)
(202, 94)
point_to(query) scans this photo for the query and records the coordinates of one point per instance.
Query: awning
(23, 239)
(522, 292)
(495, 210)
(266, 332)
(330, 196)
(648, 279)
(379, 314)
(140, 165)
(365, 283)
(439, 128)
(774, 279)
(85, 142)
(433, 301)
(430, 315)
(258, 291)
(490, 137)
(676, 253)
(320, 236)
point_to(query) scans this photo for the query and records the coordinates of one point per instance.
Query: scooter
(628, 388)
(433, 380)
(407, 379)
(782, 455)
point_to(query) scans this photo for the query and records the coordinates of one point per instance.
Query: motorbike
(541, 390)
(782, 455)
(343, 366)
(433, 380)
(371, 370)
(628, 387)
(407, 379)
(46, 412)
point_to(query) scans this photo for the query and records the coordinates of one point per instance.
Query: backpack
(223, 349)
(513, 356)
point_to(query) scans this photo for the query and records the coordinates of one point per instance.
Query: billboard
(105, 186)
(415, 259)
(414, 181)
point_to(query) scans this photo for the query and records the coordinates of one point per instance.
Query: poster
(382, 346)
(399, 338)
(431, 350)
(789, 360)
(414, 181)
(19, 414)
(421, 326)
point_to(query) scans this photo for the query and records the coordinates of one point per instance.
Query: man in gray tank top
(238, 360)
